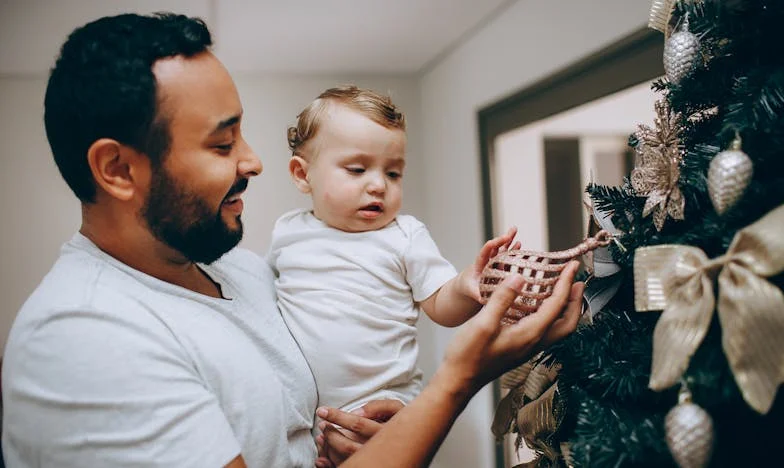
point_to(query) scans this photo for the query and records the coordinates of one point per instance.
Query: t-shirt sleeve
(129, 388)
(426, 269)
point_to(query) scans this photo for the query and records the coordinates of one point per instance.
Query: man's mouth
(234, 203)
(233, 200)
(236, 190)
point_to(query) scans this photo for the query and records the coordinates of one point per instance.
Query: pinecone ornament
(540, 271)
(681, 53)
(728, 176)
(689, 430)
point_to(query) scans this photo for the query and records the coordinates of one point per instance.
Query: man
(153, 341)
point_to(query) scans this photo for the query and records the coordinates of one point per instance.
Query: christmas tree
(681, 362)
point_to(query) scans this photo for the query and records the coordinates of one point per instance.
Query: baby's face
(356, 171)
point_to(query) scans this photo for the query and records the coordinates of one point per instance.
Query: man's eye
(225, 148)
(355, 170)
(394, 175)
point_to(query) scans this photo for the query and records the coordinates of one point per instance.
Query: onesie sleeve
(426, 269)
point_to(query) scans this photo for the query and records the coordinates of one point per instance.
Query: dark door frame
(632, 60)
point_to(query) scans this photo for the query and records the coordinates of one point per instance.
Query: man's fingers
(502, 298)
(379, 410)
(359, 425)
(337, 446)
(567, 322)
(552, 307)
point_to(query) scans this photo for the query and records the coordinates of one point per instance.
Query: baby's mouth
(372, 210)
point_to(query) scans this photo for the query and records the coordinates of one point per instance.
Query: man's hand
(468, 281)
(483, 348)
(336, 445)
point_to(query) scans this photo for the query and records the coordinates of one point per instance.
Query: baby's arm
(459, 299)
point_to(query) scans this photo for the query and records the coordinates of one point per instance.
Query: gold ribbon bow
(533, 408)
(679, 279)
(659, 17)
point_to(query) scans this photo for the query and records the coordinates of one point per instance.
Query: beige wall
(527, 42)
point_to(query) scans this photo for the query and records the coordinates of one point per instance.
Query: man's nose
(249, 164)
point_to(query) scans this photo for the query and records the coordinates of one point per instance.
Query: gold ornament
(679, 279)
(659, 172)
(540, 271)
(729, 176)
(689, 432)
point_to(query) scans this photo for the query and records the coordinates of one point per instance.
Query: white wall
(519, 156)
(528, 41)
(37, 209)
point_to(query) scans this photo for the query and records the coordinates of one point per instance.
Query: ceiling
(266, 36)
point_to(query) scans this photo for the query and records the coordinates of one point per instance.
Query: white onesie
(351, 302)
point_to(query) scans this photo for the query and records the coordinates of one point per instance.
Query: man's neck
(135, 246)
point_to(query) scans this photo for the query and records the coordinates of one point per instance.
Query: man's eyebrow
(224, 124)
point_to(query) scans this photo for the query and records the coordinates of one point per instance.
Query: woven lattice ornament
(540, 271)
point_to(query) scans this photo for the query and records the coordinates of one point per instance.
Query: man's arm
(479, 352)
(459, 298)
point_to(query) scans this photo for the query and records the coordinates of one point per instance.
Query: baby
(353, 273)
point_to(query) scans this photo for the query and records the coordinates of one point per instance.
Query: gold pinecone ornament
(729, 175)
(689, 431)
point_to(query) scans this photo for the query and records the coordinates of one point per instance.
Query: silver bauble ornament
(728, 176)
(689, 431)
(681, 53)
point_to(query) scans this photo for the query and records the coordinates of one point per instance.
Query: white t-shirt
(350, 300)
(107, 366)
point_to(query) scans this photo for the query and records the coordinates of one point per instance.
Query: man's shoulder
(80, 288)
(240, 260)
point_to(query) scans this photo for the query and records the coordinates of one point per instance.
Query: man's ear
(116, 168)
(298, 168)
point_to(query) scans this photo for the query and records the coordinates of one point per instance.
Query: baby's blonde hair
(376, 107)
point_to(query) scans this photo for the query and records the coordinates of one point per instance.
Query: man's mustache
(238, 187)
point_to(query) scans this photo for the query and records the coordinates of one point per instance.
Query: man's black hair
(102, 86)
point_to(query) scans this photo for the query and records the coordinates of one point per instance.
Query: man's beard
(184, 221)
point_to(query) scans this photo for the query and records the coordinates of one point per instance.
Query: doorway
(542, 145)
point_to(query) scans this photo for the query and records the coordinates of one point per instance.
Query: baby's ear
(298, 168)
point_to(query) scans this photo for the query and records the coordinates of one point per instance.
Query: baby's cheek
(331, 198)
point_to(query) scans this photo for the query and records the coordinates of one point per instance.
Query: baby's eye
(394, 175)
(355, 169)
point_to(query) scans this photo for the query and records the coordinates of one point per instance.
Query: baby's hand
(470, 276)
